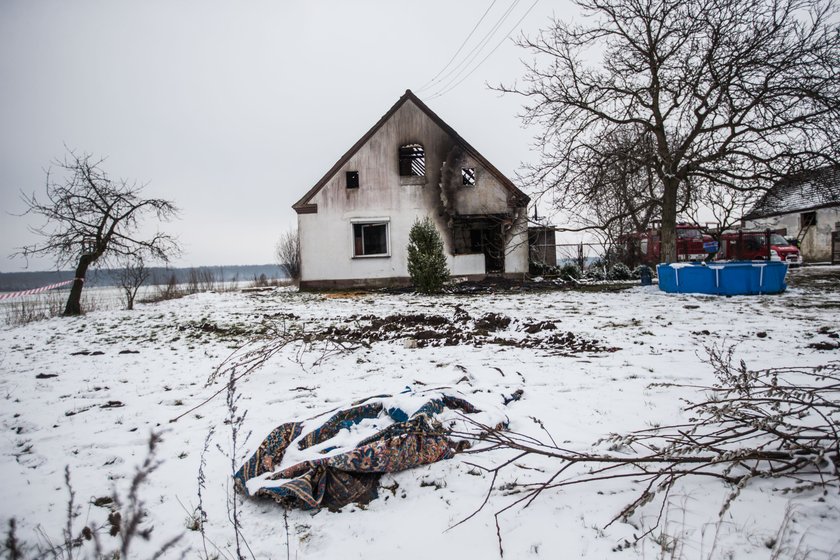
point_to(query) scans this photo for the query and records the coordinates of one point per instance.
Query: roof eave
(303, 205)
(758, 215)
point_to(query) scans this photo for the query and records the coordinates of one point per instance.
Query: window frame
(370, 222)
(807, 219)
(410, 160)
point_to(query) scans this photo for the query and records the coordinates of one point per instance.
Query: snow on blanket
(339, 461)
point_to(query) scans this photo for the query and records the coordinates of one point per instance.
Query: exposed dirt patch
(824, 345)
(499, 284)
(425, 329)
(822, 278)
(197, 330)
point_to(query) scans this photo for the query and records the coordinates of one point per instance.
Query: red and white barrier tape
(36, 290)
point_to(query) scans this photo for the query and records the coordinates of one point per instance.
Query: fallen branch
(779, 423)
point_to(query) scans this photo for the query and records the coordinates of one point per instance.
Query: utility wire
(476, 50)
(444, 92)
(442, 70)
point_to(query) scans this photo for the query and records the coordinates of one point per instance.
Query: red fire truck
(757, 245)
(644, 247)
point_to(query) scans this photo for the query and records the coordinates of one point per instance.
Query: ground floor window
(370, 239)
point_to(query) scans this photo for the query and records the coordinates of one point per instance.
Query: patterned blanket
(339, 469)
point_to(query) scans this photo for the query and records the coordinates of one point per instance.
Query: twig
(779, 423)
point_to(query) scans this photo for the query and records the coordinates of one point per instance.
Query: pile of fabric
(338, 460)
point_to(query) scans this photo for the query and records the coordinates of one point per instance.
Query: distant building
(805, 206)
(354, 223)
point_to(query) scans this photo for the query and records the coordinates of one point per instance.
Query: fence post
(767, 242)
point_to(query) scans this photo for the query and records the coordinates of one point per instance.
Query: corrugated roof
(800, 193)
(303, 205)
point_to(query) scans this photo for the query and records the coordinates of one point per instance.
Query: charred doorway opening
(481, 235)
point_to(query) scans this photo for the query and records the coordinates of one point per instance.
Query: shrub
(637, 272)
(539, 268)
(426, 261)
(597, 270)
(287, 253)
(620, 271)
(570, 271)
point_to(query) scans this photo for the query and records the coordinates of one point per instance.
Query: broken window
(352, 179)
(468, 176)
(481, 234)
(807, 219)
(370, 239)
(466, 239)
(412, 161)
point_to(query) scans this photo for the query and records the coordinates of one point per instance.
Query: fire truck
(757, 245)
(644, 247)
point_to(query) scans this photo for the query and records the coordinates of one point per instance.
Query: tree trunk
(668, 233)
(74, 305)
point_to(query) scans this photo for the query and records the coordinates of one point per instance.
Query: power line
(447, 90)
(476, 50)
(442, 70)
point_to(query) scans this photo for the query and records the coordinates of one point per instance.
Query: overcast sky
(233, 110)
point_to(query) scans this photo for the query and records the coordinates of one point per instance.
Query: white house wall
(516, 259)
(816, 245)
(326, 236)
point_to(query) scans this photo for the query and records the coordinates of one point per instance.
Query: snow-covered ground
(87, 392)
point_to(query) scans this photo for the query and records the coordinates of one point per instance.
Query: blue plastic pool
(730, 279)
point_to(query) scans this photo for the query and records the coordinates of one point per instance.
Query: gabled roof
(304, 206)
(801, 192)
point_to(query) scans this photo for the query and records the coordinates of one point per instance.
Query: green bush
(597, 270)
(637, 272)
(538, 268)
(570, 271)
(620, 271)
(426, 261)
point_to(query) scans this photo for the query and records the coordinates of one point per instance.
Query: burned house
(354, 223)
(805, 206)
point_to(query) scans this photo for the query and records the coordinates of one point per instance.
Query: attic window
(412, 161)
(468, 176)
(352, 179)
(807, 219)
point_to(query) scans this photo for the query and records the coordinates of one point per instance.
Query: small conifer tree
(426, 261)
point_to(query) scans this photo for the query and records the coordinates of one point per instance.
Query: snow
(155, 362)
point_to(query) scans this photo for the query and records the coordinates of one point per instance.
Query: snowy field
(86, 393)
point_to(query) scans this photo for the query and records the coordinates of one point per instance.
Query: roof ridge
(303, 205)
(798, 192)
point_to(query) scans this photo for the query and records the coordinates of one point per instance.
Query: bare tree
(724, 206)
(131, 276)
(287, 253)
(733, 94)
(620, 193)
(89, 218)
